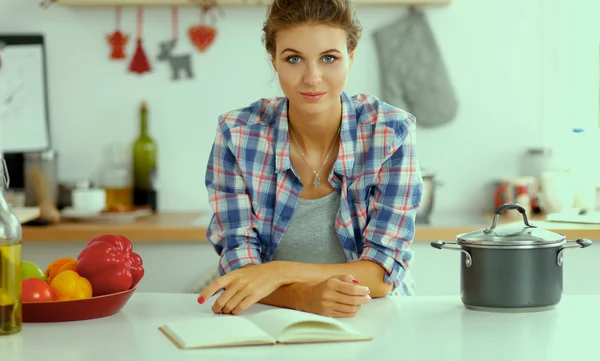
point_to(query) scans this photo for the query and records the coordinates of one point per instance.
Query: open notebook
(269, 327)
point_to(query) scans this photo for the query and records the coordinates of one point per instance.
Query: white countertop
(403, 328)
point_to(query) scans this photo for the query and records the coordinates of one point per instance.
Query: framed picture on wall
(24, 119)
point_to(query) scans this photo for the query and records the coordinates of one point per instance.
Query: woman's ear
(351, 58)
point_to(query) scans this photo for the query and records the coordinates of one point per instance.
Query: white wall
(510, 62)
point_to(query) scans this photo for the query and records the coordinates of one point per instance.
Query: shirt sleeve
(392, 209)
(232, 230)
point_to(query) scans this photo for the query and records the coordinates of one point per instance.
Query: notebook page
(275, 321)
(216, 331)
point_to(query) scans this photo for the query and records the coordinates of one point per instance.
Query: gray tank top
(310, 236)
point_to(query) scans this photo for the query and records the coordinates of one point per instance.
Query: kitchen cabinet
(149, 3)
(180, 259)
(185, 266)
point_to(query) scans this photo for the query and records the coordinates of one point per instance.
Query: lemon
(5, 298)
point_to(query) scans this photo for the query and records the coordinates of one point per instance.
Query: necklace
(317, 180)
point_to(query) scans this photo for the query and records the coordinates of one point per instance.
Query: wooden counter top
(163, 227)
(191, 227)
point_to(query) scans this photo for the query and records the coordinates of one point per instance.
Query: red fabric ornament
(117, 40)
(1, 46)
(139, 63)
(203, 36)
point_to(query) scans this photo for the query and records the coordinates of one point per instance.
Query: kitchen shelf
(165, 3)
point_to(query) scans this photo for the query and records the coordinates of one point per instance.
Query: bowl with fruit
(97, 283)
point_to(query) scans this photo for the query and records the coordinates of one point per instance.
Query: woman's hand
(338, 296)
(243, 287)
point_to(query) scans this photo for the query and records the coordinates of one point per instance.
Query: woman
(315, 193)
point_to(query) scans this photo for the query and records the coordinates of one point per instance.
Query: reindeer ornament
(179, 63)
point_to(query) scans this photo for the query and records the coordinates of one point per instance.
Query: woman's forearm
(288, 296)
(369, 274)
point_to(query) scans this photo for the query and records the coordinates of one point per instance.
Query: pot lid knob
(512, 235)
(506, 207)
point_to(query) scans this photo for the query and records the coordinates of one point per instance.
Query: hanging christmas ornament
(1, 46)
(178, 63)
(203, 35)
(117, 40)
(139, 63)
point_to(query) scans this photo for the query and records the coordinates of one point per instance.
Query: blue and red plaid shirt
(253, 189)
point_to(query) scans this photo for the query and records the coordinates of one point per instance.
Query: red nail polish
(355, 282)
(200, 300)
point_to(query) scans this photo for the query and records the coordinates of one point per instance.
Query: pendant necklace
(317, 180)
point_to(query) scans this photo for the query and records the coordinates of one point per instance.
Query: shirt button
(285, 219)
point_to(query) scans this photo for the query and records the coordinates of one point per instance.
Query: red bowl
(76, 310)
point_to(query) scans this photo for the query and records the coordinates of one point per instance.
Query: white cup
(89, 199)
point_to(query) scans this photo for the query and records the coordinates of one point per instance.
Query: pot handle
(454, 247)
(580, 243)
(505, 207)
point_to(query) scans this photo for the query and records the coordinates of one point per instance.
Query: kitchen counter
(407, 328)
(190, 227)
(161, 227)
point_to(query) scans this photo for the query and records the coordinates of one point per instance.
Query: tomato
(36, 290)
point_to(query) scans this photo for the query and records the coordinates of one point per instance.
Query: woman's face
(312, 63)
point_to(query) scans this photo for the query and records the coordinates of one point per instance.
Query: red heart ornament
(202, 36)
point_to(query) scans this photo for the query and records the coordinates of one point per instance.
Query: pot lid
(513, 235)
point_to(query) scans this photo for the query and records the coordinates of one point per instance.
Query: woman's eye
(294, 59)
(329, 58)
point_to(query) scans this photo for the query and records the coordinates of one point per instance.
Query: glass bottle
(10, 262)
(116, 180)
(144, 165)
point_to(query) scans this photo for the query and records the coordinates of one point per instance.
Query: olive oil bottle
(10, 263)
(144, 165)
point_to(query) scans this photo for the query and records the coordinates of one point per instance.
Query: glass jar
(10, 263)
(115, 177)
(41, 178)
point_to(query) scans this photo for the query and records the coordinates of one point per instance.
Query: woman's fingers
(214, 287)
(334, 309)
(350, 288)
(235, 300)
(224, 298)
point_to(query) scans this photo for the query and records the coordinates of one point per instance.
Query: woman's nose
(312, 76)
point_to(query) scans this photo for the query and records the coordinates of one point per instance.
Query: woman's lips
(312, 96)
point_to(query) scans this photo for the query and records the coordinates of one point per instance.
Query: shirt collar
(345, 159)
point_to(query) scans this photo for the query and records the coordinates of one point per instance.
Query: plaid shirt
(253, 189)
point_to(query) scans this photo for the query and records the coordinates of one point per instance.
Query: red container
(76, 310)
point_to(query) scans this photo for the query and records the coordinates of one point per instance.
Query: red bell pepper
(110, 265)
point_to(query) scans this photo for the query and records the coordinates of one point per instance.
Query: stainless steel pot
(428, 199)
(511, 268)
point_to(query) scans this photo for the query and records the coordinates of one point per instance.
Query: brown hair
(287, 13)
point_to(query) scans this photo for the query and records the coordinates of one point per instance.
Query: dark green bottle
(144, 165)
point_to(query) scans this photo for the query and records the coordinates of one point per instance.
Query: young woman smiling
(315, 193)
